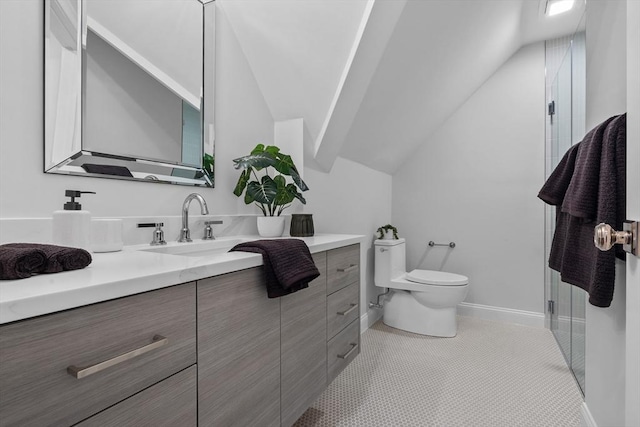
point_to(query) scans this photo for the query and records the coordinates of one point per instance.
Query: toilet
(421, 301)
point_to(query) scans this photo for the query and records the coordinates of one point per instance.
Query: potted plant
(270, 192)
(387, 232)
(208, 164)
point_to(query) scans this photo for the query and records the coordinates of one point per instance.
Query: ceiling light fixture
(555, 7)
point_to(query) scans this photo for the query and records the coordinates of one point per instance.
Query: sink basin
(200, 248)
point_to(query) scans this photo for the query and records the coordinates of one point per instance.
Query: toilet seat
(439, 278)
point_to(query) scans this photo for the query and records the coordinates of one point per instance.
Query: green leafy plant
(272, 194)
(208, 164)
(382, 231)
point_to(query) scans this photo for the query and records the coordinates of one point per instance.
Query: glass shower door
(566, 302)
(561, 142)
(578, 130)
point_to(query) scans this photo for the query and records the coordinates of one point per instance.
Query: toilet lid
(440, 278)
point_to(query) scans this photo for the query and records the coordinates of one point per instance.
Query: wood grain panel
(35, 388)
(171, 402)
(339, 346)
(303, 347)
(339, 302)
(341, 259)
(238, 351)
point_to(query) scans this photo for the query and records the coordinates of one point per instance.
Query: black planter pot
(301, 225)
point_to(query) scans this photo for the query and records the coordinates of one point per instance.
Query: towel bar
(450, 244)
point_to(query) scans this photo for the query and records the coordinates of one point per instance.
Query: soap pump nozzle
(73, 205)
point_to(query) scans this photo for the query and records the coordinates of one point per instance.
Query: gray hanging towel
(588, 187)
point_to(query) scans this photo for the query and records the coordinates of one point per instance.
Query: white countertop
(128, 272)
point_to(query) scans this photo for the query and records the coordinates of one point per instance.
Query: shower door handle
(605, 237)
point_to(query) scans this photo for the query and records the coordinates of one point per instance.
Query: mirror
(129, 89)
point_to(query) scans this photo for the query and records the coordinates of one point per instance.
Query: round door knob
(605, 237)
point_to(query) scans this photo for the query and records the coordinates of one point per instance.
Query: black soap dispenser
(72, 225)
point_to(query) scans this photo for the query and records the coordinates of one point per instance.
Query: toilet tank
(389, 261)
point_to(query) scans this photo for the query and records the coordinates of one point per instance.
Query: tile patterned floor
(491, 374)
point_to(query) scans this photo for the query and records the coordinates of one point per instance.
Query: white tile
(490, 374)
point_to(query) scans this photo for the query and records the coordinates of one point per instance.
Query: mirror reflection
(126, 95)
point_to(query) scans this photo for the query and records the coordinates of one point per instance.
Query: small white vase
(388, 235)
(270, 226)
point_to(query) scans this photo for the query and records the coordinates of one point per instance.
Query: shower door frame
(566, 304)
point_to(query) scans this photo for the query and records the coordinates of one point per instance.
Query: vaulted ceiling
(372, 79)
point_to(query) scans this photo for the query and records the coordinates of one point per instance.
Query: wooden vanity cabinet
(218, 352)
(263, 362)
(238, 351)
(303, 335)
(343, 308)
(41, 357)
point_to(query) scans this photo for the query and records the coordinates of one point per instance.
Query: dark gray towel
(57, 258)
(589, 187)
(288, 264)
(556, 186)
(17, 263)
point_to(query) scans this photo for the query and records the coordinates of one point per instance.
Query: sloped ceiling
(439, 54)
(378, 105)
(298, 51)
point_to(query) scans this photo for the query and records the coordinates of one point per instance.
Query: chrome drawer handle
(354, 346)
(352, 267)
(80, 372)
(348, 311)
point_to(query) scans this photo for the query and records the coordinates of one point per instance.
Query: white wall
(352, 199)
(475, 181)
(606, 96)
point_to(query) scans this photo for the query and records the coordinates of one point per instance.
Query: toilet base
(402, 311)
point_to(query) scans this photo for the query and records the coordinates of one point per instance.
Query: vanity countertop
(128, 272)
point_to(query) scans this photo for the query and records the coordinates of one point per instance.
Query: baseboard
(586, 419)
(367, 320)
(578, 326)
(509, 315)
(364, 323)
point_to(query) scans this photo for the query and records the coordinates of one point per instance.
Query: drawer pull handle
(347, 311)
(354, 346)
(352, 267)
(80, 372)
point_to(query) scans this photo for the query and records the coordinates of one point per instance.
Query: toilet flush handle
(383, 249)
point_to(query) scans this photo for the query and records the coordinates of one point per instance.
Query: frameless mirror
(129, 89)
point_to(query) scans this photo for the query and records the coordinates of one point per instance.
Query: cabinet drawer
(343, 267)
(36, 387)
(342, 349)
(171, 402)
(342, 308)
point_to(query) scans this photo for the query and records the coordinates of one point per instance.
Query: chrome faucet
(185, 234)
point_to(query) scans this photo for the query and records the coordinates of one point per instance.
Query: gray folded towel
(588, 187)
(56, 259)
(288, 264)
(20, 263)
